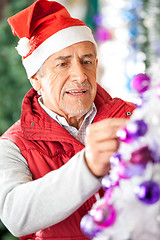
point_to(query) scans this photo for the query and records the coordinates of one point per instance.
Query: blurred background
(128, 38)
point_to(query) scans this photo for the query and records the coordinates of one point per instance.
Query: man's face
(68, 80)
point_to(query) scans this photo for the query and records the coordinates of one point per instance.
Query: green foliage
(92, 10)
(13, 80)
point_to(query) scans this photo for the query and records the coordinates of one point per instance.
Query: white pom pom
(23, 46)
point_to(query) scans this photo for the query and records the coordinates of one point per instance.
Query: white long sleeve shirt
(27, 206)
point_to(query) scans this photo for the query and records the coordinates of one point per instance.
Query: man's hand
(101, 142)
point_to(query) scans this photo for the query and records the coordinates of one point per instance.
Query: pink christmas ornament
(141, 83)
(102, 34)
(158, 90)
(142, 156)
(104, 215)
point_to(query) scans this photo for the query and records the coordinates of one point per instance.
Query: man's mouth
(76, 92)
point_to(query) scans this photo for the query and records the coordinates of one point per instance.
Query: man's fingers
(103, 130)
(102, 147)
(101, 142)
(100, 136)
(105, 123)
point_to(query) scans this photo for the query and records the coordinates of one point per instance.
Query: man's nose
(78, 72)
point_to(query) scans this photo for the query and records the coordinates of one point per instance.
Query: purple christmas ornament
(137, 128)
(115, 158)
(141, 83)
(107, 182)
(98, 19)
(89, 227)
(124, 170)
(148, 192)
(132, 131)
(127, 170)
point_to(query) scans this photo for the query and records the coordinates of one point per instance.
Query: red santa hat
(44, 28)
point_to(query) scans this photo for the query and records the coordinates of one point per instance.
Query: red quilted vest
(36, 134)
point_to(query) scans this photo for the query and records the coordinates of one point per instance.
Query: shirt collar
(61, 120)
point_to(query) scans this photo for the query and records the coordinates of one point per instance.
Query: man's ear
(36, 82)
(96, 62)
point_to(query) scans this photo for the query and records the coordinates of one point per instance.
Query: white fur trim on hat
(23, 46)
(58, 41)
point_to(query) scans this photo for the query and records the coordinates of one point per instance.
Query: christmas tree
(130, 208)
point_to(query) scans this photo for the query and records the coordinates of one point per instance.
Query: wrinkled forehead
(85, 48)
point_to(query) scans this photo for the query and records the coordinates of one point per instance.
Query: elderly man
(53, 159)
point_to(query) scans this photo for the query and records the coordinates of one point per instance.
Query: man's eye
(63, 64)
(87, 62)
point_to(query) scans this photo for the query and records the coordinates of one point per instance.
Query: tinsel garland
(128, 34)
